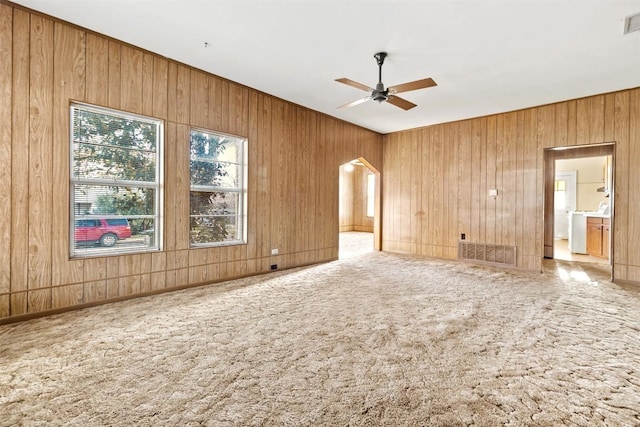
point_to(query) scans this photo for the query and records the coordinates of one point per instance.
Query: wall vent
(632, 23)
(484, 252)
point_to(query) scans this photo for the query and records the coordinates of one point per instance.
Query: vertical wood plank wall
(436, 179)
(294, 159)
(353, 200)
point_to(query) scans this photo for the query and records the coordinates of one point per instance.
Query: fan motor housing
(379, 96)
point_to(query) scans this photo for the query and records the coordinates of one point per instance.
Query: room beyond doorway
(359, 206)
(577, 228)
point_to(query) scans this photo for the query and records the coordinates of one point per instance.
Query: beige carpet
(373, 339)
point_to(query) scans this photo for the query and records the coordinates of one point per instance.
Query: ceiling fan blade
(399, 102)
(418, 84)
(352, 83)
(356, 102)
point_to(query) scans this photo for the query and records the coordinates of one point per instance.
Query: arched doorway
(359, 208)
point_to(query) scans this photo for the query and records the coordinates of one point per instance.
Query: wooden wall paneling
(40, 162)
(6, 83)
(451, 238)
(596, 119)
(331, 237)
(433, 190)
(131, 85)
(415, 195)
(114, 92)
(67, 296)
(322, 180)
(160, 84)
(519, 170)
(501, 201)
(148, 84)
(199, 99)
(540, 183)
(582, 121)
(530, 228)
(405, 215)
(483, 184)
(182, 185)
(252, 175)
(572, 122)
(172, 91)
(436, 211)
(20, 162)
(214, 115)
(561, 125)
(466, 169)
(546, 126)
(145, 272)
(546, 137)
(263, 172)
(300, 166)
(633, 227)
(491, 209)
(68, 84)
(183, 94)
(314, 185)
(424, 182)
(113, 267)
(621, 188)
(94, 277)
(224, 106)
(97, 70)
(277, 202)
(158, 273)
(94, 291)
(509, 177)
(290, 196)
(129, 279)
(609, 117)
(475, 181)
(238, 120)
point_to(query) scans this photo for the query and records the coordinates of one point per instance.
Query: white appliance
(577, 233)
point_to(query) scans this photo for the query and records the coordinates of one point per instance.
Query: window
(371, 191)
(115, 182)
(218, 189)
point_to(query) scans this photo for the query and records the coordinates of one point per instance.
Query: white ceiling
(486, 56)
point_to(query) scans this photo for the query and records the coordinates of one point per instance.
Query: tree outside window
(115, 180)
(218, 194)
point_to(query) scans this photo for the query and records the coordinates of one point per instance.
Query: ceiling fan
(381, 94)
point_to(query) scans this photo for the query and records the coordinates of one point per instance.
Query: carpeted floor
(373, 339)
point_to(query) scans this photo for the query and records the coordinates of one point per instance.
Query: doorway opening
(579, 204)
(359, 207)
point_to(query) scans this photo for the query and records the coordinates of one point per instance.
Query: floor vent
(484, 252)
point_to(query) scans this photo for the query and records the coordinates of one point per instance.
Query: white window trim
(158, 185)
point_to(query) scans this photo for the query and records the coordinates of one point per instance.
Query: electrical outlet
(274, 252)
(463, 236)
(274, 266)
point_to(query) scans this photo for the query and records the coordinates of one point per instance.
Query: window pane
(97, 199)
(214, 229)
(215, 174)
(218, 168)
(110, 153)
(113, 163)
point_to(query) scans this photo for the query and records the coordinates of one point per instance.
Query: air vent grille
(484, 252)
(632, 23)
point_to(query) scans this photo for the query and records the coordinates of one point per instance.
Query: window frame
(157, 185)
(241, 190)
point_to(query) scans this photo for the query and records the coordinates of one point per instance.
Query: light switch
(493, 192)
